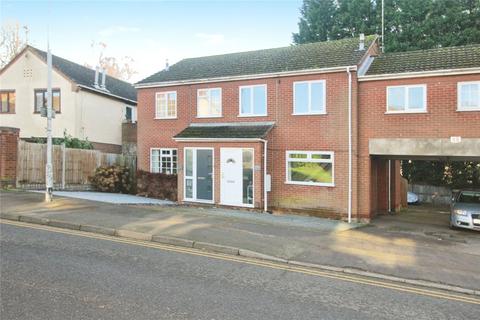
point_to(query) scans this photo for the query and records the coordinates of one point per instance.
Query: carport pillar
(386, 185)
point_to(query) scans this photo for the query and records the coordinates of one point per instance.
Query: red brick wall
(8, 155)
(442, 120)
(305, 133)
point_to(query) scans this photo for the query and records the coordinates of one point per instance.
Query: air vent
(27, 73)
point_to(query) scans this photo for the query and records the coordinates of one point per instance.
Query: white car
(412, 198)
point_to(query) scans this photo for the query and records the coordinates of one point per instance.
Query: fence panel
(79, 165)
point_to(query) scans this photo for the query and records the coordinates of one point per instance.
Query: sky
(152, 31)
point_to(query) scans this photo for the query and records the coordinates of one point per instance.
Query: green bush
(70, 142)
(116, 179)
(453, 174)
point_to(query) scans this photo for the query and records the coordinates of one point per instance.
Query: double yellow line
(261, 263)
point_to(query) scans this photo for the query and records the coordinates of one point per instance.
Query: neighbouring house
(88, 104)
(307, 128)
(417, 105)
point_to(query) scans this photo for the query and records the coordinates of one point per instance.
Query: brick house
(87, 104)
(277, 129)
(415, 105)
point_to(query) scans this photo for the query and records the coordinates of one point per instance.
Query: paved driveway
(426, 220)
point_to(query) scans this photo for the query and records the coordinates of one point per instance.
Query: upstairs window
(209, 103)
(309, 97)
(41, 100)
(130, 114)
(407, 99)
(468, 96)
(253, 100)
(7, 101)
(166, 105)
(163, 160)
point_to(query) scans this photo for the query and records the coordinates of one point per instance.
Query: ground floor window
(163, 160)
(310, 168)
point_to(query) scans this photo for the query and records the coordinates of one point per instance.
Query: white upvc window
(309, 97)
(130, 114)
(209, 103)
(253, 100)
(407, 99)
(166, 105)
(163, 160)
(310, 168)
(468, 96)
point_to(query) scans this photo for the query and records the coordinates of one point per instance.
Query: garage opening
(432, 170)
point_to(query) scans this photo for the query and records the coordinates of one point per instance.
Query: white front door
(236, 167)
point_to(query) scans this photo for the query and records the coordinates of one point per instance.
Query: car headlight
(461, 212)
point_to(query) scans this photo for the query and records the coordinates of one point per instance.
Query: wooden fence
(72, 168)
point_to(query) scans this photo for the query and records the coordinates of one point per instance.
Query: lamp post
(49, 166)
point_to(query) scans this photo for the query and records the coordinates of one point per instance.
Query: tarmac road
(50, 274)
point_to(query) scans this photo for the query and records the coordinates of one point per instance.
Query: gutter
(244, 77)
(419, 74)
(218, 139)
(105, 93)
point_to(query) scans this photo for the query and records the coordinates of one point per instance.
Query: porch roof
(225, 131)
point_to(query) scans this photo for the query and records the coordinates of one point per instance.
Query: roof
(426, 60)
(327, 54)
(241, 130)
(84, 76)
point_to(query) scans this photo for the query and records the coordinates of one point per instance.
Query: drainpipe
(349, 145)
(265, 195)
(389, 186)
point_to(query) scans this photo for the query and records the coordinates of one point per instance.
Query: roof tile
(426, 60)
(86, 77)
(316, 55)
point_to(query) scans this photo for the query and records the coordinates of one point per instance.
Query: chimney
(167, 66)
(102, 85)
(95, 83)
(361, 46)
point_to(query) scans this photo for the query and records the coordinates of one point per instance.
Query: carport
(388, 192)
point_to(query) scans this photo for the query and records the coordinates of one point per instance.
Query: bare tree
(11, 42)
(116, 67)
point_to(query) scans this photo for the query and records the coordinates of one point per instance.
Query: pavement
(57, 276)
(115, 198)
(390, 247)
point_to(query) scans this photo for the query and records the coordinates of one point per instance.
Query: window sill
(309, 114)
(165, 118)
(467, 110)
(310, 184)
(251, 115)
(405, 112)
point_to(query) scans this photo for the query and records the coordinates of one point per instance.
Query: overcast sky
(152, 31)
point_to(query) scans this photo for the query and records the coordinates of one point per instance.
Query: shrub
(112, 179)
(157, 185)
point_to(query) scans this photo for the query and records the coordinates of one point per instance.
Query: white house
(88, 105)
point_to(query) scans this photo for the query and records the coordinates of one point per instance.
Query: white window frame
(459, 85)
(309, 159)
(251, 114)
(324, 100)
(134, 113)
(209, 98)
(160, 159)
(407, 108)
(193, 177)
(157, 113)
